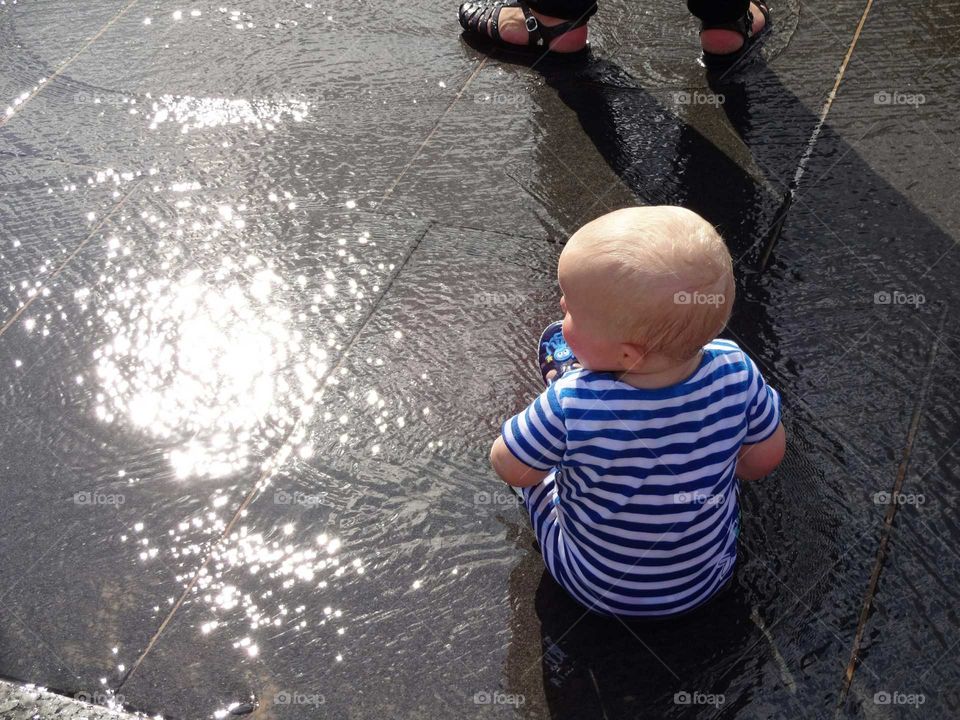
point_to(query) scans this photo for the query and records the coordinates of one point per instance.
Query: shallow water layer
(272, 278)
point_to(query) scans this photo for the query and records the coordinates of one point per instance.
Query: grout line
(789, 196)
(436, 126)
(23, 308)
(255, 491)
(785, 673)
(546, 219)
(66, 63)
(889, 517)
(596, 687)
(802, 165)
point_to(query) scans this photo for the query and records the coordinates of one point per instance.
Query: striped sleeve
(763, 406)
(537, 436)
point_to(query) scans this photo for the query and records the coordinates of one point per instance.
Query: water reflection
(223, 356)
(213, 348)
(207, 359)
(197, 113)
(19, 100)
(283, 562)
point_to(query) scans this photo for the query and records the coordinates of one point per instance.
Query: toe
(759, 21)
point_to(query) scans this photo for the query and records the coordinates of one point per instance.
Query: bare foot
(724, 42)
(513, 29)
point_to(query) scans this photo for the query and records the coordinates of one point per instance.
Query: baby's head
(644, 288)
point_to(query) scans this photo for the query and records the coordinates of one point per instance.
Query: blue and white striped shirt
(640, 516)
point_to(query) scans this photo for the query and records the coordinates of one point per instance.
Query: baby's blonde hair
(667, 272)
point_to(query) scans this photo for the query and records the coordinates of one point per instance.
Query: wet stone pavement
(271, 278)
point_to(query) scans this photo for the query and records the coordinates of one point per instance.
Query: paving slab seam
(891, 513)
(494, 231)
(774, 233)
(917, 81)
(432, 132)
(83, 243)
(516, 641)
(785, 674)
(543, 203)
(260, 484)
(59, 71)
(799, 600)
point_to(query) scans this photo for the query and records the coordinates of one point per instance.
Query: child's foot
(723, 42)
(512, 27)
(554, 354)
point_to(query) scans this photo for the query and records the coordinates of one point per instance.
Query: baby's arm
(510, 469)
(532, 442)
(765, 442)
(760, 459)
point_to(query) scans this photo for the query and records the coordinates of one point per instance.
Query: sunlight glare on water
(209, 361)
(209, 347)
(197, 113)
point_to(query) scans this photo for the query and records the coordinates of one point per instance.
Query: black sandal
(474, 17)
(751, 42)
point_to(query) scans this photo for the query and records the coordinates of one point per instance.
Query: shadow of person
(661, 158)
(565, 662)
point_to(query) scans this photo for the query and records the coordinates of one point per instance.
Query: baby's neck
(660, 377)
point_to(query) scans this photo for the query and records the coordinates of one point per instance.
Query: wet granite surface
(273, 275)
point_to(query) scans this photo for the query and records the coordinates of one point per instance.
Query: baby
(629, 459)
